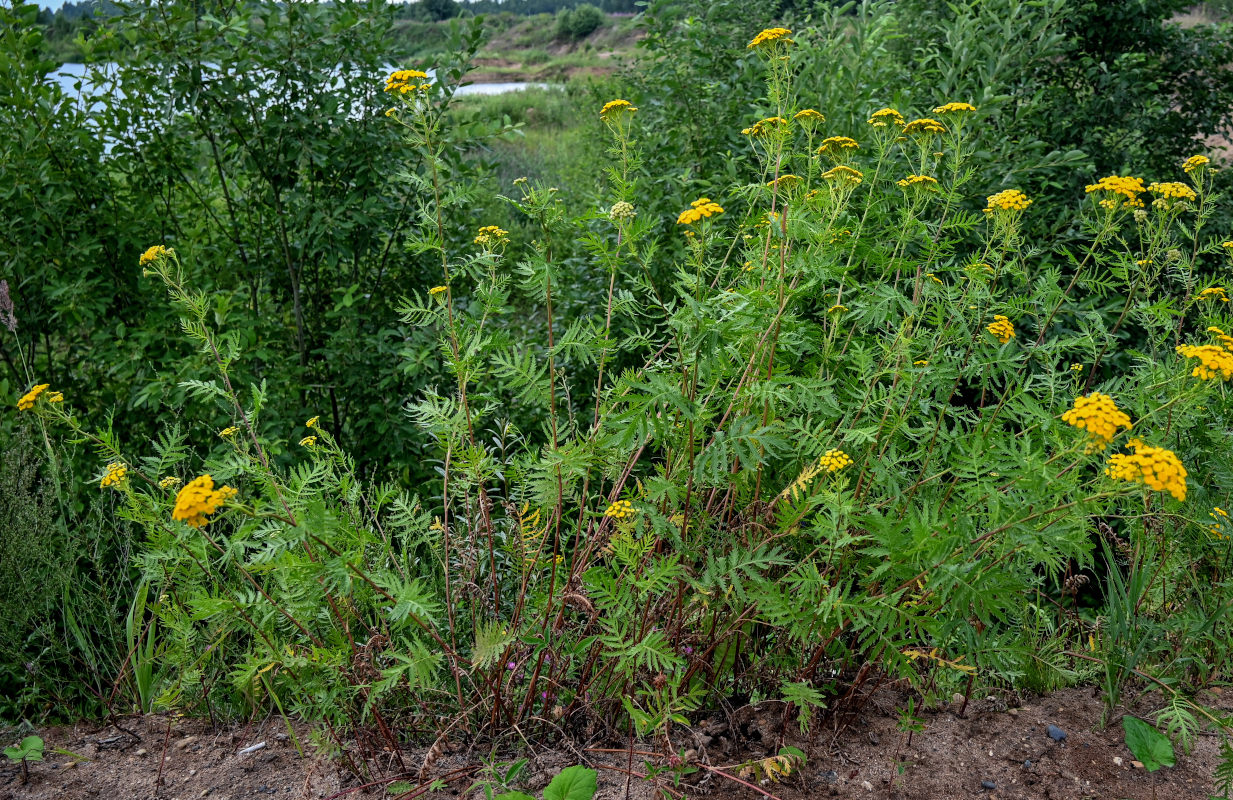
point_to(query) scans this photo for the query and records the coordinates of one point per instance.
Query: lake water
(73, 80)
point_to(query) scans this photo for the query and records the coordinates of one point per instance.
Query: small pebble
(867, 786)
(1117, 760)
(1056, 733)
(1027, 764)
(1137, 764)
(185, 742)
(141, 751)
(988, 785)
(830, 776)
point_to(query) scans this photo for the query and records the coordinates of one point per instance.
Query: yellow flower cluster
(27, 400)
(1222, 336)
(809, 115)
(312, 423)
(1221, 518)
(1172, 190)
(1195, 162)
(1214, 361)
(837, 144)
(842, 173)
(1002, 328)
(616, 107)
(407, 80)
(702, 207)
(229, 431)
(769, 37)
(924, 126)
(785, 181)
(308, 441)
(152, 254)
(170, 482)
(117, 473)
(491, 236)
(765, 127)
(954, 108)
(922, 181)
(1126, 188)
(834, 460)
(1099, 416)
(1214, 293)
(1155, 467)
(1008, 200)
(199, 499)
(621, 509)
(881, 117)
(839, 309)
(436, 290)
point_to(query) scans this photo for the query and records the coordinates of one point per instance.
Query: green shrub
(578, 22)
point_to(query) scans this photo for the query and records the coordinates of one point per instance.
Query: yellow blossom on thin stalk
(1008, 200)
(491, 237)
(698, 209)
(955, 108)
(1222, 337)
(27, 401)
(405, 81)
(117, 474)
(844, 174)
(170, 482)
(769, 39)
(834, 460)
(437, 290)
(308, 441)
(1214, 293)
(918, 181)
(229, 431)
(785, 182)
(1195, 163)
(1155, 467)
(766, 127)
(887, 116)
(1214, 361)
(1002, 328)
(199, 499)
(1099, 416)
(621, 509)
(837, 147)
(312, 423)
(836, 309)
(1171, 193)
(924, 127)
(616, 108)
(1118, 190)
(152, 254)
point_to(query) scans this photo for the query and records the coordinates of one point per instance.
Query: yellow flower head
(170, 482)
(491, 236)
(116, 475)
(436, 290)
(918, 182)
(955, 108)
(615, 108)
(834, 460)
(766, 127)
(55, 397)
(308, 441)
(1195, 162)
(809, 115)
(887, 116)
(27, 400)
(1214, 293)
(198, 500)
(407, 80)
(1214, 361)
(844, 175)
(769, 38)
(1076, 367)
(1154, 467)
(1125, 190)
(1001, 328)
(1168, 193)
(312, 423)
(924, 127)
(1099, 416)
(836, 145)
(839, 309)
(786, 181)
(1008, 200)
(621, 509)
(702, 207)
(152, 254)
(229, 431)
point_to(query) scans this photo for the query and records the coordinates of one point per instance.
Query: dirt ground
(995, 751)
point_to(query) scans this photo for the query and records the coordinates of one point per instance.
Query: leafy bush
(578, 22)
(840, 438)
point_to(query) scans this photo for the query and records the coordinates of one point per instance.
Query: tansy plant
(844, 431)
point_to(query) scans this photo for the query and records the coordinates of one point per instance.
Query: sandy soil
(996, 750)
